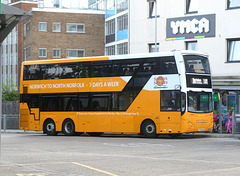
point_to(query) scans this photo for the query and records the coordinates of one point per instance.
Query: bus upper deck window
(31, 72)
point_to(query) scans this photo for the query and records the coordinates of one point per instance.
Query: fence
(10, 121)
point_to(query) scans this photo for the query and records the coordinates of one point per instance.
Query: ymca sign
(191, 27)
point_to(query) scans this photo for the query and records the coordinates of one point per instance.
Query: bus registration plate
(201, 129)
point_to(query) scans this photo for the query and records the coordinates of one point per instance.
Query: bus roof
(115, 57)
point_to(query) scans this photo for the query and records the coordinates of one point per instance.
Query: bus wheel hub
(150, 128)
(50, 127)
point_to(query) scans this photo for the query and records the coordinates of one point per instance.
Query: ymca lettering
(188, 26)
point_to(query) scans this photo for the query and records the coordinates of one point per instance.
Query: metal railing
(10, 121)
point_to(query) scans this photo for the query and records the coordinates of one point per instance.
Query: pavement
(214, 135)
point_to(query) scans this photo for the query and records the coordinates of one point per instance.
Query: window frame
(123, 47)
(110, 27)
(188, 42)
(76, 25)
(188, 3)
(56, 4)
(121, 5)
(56, 23)
(122, 22)
(56, 49)
(152, 50)
(41, 49)
(228, 50)
(110, 50)
(230, 8)
(42, 30)
(67, 50)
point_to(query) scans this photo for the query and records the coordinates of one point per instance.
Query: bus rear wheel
(49, 128)
(148, 129)
(68, 127)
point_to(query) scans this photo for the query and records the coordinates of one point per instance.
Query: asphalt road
(24, 154)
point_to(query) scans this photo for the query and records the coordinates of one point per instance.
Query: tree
(9, 93)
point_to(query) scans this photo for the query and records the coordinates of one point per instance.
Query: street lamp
(155, 2)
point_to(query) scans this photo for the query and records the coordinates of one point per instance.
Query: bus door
(170, 115)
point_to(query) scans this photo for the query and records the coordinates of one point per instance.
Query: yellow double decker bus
(149, 94)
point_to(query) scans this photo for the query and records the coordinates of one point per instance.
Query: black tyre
(148, 129)
(68, 127)
(49, 128)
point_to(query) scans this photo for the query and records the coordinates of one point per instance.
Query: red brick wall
(92, 41)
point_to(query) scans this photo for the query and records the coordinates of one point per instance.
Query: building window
(56, 4)
(75, 28)
(122, 48)
(233, 4)
(234, 50)
(42, 52)
(152, 10)
(56, 27)
(40, 4)
(110, 50)
(56, 53)
(42, 26)
(97, 4)
(122, 22)
(110, 27)
(192, 45)
(110, 4)
(122, 5)
(152, 47)
(75, 53)
(191, 6)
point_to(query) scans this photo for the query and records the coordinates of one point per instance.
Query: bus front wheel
(49, 128)
(148, 129)
(68, 127)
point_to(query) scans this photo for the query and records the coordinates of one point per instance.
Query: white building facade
(207, 26)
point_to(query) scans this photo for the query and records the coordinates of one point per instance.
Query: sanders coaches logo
(160, 82)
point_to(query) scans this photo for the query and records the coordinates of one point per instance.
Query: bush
(9, 93)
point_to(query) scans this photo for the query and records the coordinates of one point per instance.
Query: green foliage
(8, 92)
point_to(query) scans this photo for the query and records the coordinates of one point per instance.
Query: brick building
(53, 33)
